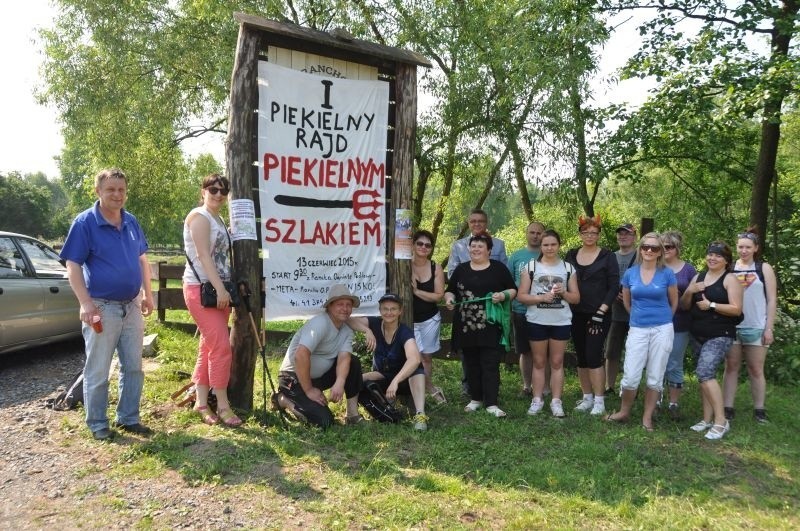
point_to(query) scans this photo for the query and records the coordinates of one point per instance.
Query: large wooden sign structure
(333, 55)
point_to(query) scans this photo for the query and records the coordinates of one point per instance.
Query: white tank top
(218, 244)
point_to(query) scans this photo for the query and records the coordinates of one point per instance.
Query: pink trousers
(214, 353)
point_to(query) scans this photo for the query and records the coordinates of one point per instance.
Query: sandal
(229, 418)
(438, 395)
(647, 428)
(206, 415)
(353, 420)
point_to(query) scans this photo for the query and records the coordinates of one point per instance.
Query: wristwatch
(713, 306)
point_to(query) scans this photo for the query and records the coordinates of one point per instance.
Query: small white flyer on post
(243, 219)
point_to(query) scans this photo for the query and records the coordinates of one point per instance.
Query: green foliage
(32, 205)
(782, 364)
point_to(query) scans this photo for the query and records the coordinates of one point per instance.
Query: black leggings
(314, 412)
(589, 348)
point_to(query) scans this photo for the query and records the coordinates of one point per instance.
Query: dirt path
(53, 475)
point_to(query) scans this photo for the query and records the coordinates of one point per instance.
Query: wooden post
(246, 263)
(162, 285)
(402, 176)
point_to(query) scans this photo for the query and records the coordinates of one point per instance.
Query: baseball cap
(391, 297)
(627, 227)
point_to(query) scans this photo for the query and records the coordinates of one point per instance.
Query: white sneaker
(536, 406)
(495, 411)
(585, 405)
(701, 426)
(717, 431)
(599, 408)
(557, 408)
(474, 405)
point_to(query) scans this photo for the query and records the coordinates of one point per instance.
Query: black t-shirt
(470, 328)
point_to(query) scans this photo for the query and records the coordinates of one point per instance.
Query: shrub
(782, 365)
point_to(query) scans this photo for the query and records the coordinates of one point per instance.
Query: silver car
(37, 305)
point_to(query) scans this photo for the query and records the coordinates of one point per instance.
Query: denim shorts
(749, 336)
(537, 332)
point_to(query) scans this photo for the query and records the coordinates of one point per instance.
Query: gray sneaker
(557, 408)
(536, 406)
(420, 422)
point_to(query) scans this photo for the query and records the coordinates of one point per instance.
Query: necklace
(386, 338)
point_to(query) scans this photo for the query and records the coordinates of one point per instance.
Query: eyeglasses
(427, 245)
(749, 235)
(668, 247)
(589, 233)
(651, 248)
(213, 190)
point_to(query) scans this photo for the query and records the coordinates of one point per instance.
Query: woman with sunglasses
(650, 295)
(207, 244)
(754, 333)
(598, 283)
(684, 273)
(714, 299)
(427, 285)
(480, 340)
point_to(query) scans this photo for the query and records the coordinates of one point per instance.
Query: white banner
(322, 161)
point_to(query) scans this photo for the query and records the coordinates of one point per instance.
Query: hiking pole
(244, 291)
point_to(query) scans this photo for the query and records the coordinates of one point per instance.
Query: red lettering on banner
(325, 173)
(323, 232)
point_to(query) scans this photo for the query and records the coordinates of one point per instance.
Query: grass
(473, 471)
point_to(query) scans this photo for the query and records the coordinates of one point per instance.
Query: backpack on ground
(71, 397)
(374, 401)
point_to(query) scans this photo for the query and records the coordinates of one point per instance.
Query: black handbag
(208, 294)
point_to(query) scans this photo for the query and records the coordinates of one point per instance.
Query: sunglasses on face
(748, 235)
(651, 248)
(668, 247)
(427, 245)
(213, 190)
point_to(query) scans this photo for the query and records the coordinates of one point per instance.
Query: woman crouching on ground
(714, 299)
(650, 295)
(207, 244)
(396, 361)
(548, 285)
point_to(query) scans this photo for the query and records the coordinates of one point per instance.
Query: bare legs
(755, 356)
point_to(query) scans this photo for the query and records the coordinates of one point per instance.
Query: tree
(24, 205)
(719, 67)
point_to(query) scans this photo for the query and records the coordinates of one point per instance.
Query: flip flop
(609, 418)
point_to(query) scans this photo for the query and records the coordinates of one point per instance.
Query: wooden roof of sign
(291, 35)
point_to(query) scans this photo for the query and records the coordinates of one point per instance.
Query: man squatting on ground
(320, 357)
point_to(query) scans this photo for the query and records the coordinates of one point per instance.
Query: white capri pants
(647, 348)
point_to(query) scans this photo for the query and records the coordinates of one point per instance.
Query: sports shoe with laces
(536, 406)
(585, 405)
(760, 416)
(717, 431)
(599, 408)
(420, 422)
(556, 408)
(702, 425)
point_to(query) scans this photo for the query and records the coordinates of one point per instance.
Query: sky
(30, 138)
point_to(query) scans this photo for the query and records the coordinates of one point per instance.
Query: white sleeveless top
(218, 244)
